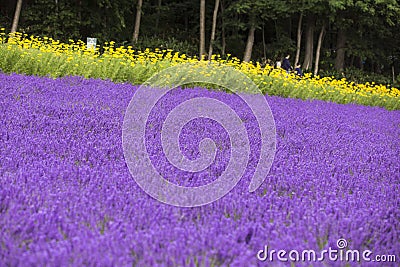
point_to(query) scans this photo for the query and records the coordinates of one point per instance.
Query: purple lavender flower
(67, 197)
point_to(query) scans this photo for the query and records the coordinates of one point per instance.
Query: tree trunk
(264, 46)
(223, 29)
(318, 52)
(340, 50)
(250, 42)
(79, 11)
(276, 30)
(299, 33)
(202, 27)
(214, 25)
(360, 63)
(158, 13)
(378, 68)
(308, 58)
(137, 21)
(353, 57)
(393, 74)
(16, 16)
(186, 23)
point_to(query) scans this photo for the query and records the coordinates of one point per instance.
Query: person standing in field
(298, 70)
(278, 64)
(286, 64)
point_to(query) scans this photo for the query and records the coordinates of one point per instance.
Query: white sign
(91, 43)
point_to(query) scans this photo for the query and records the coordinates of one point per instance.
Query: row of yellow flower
(129, 56)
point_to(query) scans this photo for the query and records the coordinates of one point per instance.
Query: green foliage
(359, 76)
(280, 47)
(50, 19)
(262, 9)
(168, 43)
(66, 20)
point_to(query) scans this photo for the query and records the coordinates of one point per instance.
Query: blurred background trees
(358, 39)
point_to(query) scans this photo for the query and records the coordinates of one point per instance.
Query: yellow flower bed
(52, 57)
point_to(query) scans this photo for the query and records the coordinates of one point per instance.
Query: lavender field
(67, 197)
